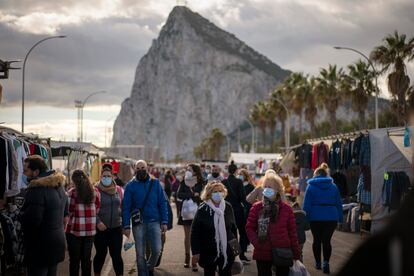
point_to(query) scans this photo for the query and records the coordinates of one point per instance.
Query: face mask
(208, 171)
(141, 175)
(241, 177)
(188, 174)
(269, 193)
(106, 181)
(215, 174)
(25, 180)
(245, 183)
(179, 178)
(217, 197)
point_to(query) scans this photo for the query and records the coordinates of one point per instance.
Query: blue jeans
(151, 233)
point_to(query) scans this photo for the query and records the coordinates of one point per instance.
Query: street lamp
(287, 130)
(376, 78)
(106, 128)
(24, 68)
(80, 105)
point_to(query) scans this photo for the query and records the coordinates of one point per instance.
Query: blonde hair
(322, 170)
(210, 187)
(269, 172)
(275, 182)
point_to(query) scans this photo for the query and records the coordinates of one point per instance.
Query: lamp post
(80, 105)
(24, 70)
(376, 78)
(107, 128)
(287, 131)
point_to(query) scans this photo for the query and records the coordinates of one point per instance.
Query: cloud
(106, 38)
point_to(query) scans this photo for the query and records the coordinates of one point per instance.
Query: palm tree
(294, 85)
(258, 116)
(311, 110)
(216, 141)
(280, 112)
(360, 87)
(271, 122)
(329, 83)
(392, 55)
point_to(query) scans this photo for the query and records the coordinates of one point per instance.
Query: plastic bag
(189, 209)
(129, 243)
(237, 267)
(298, 269)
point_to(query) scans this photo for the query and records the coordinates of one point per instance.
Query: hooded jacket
(42, 220)
(322, 200)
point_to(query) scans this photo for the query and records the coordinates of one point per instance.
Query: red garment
(115, 167)
(323, 152)
(314, 156)
(282, 233)
(32, 148)
(82, 217)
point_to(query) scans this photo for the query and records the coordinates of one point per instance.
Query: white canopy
(386, 156)
(250, 158)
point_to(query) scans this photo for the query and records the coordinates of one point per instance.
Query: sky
(106, 39)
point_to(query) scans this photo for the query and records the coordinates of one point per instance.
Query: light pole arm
(24, 70)
(91, 95)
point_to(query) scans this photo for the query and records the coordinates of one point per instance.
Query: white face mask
(188, 174)
(179, 178)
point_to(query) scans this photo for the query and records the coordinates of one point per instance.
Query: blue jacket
(322, 200)
(156, 209)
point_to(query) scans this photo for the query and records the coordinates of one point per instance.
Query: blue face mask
(106, 181)
(241, 177)
(217, 197)
(269, 193)
(25, 180)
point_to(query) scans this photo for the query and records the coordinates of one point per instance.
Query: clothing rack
(338, 136)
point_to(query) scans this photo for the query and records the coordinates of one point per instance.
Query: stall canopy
(387, 155)
(397, 137)
(251, 158)
(59, 147)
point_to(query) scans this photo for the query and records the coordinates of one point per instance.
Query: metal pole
(24, 70)
(83, 105)
(376, 79)
(287, 131)
(228, 146)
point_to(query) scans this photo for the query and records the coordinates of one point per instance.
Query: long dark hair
(197, 172)
(84, 188)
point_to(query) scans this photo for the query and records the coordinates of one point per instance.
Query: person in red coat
(271, 224)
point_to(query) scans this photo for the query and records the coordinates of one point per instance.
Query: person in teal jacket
(323, 207)
(154, 216)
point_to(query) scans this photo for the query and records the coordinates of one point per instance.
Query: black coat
(42, 220)
(185, 193)
(203, 239)
(236, 196)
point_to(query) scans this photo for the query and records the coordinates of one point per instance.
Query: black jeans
(322, 232)
(80, 250)
(264, 268)
(241, 227)
(33, 270)
(109, 239)
(210, 270)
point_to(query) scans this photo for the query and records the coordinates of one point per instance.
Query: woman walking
(323, 207)
(109, 230)
(190, 188)
(271, 227)
(84, 202)
(213, 228)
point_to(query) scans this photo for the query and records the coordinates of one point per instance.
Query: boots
(326, 269)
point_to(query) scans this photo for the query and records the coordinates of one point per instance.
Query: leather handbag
(282, 257)
(234, 247)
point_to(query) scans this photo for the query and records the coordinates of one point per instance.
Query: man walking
(145, 207)
(43, 218)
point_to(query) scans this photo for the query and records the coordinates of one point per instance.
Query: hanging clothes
(323, 152)
(340, 181)
(395, 188)
(363, 195)
(304, 156)
(335, 156)
(315, 156)
(365, 153)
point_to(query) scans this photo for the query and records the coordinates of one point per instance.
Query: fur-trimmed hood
(53, 180)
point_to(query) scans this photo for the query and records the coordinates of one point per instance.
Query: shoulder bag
(137, 215)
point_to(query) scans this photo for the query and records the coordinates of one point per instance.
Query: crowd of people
(221, 214)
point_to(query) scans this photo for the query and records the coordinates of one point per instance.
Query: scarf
(268, 215)
(110, 190)
(220, 229)
(190, 181)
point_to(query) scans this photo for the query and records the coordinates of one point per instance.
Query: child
(302, 225)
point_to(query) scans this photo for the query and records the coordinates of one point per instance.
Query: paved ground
(172, 262)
